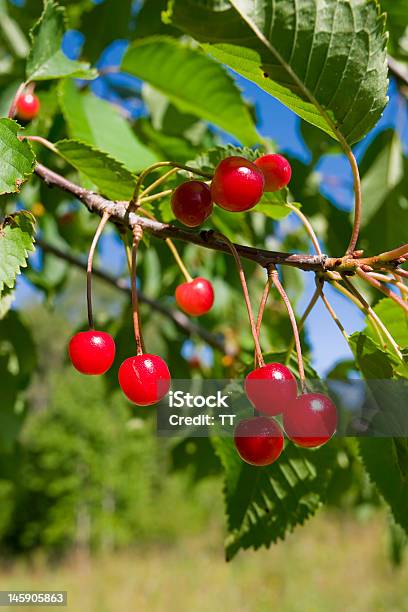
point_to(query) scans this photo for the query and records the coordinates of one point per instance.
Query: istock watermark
(203, 408)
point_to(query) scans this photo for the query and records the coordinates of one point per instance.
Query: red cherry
(27, 107)
(277, 171)
(196, 297)
(144, 379)
(237, 185)
(270, 388)
(259, 440)
(92, 352)
(191, 203)
(310, 420)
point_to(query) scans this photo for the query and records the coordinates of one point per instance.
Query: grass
(331, 564)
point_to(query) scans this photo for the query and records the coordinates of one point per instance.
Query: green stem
(134, 200)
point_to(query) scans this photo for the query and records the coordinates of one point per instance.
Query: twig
(206, 239)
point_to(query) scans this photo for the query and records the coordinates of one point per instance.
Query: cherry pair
(237, 186)
(144, 379)
(309, 420)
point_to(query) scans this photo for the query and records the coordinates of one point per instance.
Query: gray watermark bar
(33, 598)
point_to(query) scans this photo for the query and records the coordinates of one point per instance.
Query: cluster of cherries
(309, 420)
(237, 186)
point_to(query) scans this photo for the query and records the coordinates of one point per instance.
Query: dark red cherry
(27, 107)
(92, 352)
(270, 388)
(259, 440)
(191, 203)
(237, 185)
(310, 420)
(195, 297)
(276, 169)
(144, 379)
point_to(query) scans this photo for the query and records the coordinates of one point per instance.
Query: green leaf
(46, 59)
(16, 158)
(210, 159)
(263, 504)
(104, 23)
(111, 177)
(380, 459)
(373, 361)
(397, 20)
(394, 318)
(16, 241)
(310, 56)
(194, 83)
(11, 33)
(7, 297)
(98, 123)
(384, 173)
(273, 205)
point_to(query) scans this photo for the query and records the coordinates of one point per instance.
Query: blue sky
(280, 124)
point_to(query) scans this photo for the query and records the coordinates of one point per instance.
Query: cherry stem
(261, 311)
(392, 281)
(273, 273)
(358, 199)
(155, 196)
(98, 233)
(178, 259)
(308, 227)
(372, 313)
(363, 306)
(401, 286)
(384, 289)
(172, 248)
(234, 252)
(13, 105)
(137, 236)
(394, 254)
(401, 273)
(158, 182)
(334, 315)
(135, 198)
(42, 141)
(308, 310)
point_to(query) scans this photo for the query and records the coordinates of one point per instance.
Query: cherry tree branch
(208, 239)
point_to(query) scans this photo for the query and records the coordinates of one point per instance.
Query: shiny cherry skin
(191, 203)
(276, 169)
(270, 388)
(27, 107)
(310, 420)
(92, 352)
(195, 297)
(237, 185)
(144, 379)
(259, 440)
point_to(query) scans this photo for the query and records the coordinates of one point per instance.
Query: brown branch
(207, 239)
(183, 322)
